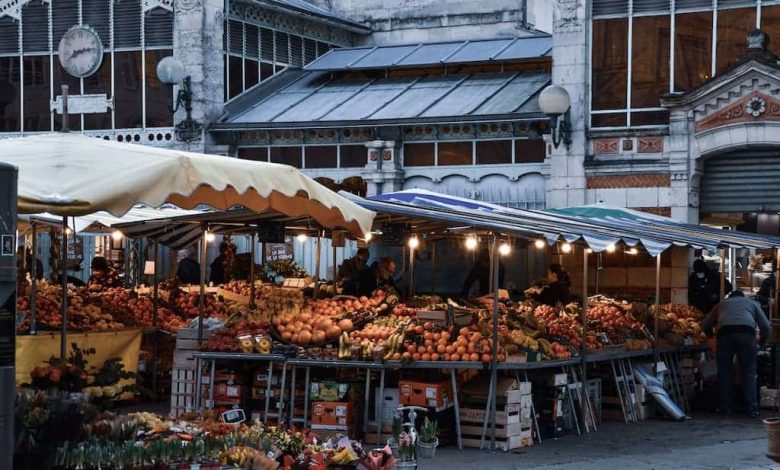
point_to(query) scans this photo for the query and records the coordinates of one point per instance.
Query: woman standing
(556, 291)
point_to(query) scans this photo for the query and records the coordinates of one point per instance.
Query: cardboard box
(389, 401)
(511, 414)
(433, 394)
(437, 317)
(261, 378)
(327, 413)
(503, 431)
(525, 439)
(559, 380)
(329, 391)
(259, 393)
(222, 390)
(509, 391)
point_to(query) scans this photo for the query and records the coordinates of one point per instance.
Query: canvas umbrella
(74, 175)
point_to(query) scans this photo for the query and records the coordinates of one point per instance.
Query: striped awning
(101, 222)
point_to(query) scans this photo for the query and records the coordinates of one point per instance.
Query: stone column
(566, 172)
(197, 43)
(684, 177)
(383, 172)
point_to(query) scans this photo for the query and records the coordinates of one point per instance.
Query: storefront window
(235, 76)
(693, 50)
(258, 154)
(455, 153)
(128, 83)
(419, 154)
(610, 63)
(159, 96)
(292, 156)
(770, 24)
(37, 116)
(251, 73)
(99, 83)
(733, 27)
(494, 152)
(321, 156)
(529, 150)
(352, 156)
(9, 94)
(650, 60)
(649, 118)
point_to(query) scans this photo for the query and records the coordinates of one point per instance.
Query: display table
(32, 351)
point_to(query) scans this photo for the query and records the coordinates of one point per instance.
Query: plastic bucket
(772, 427)
(427, 450)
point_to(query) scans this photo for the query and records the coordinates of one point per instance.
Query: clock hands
(78, 52)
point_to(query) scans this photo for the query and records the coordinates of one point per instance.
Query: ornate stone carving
(13, 8)
(164, 4)
(568, 20)
(606, 146)
(650, 144)
(754, 107)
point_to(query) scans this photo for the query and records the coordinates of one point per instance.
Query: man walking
(737, 319)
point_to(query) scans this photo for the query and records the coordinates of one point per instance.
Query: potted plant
(406, 452)
(393, 441)
(427, 442)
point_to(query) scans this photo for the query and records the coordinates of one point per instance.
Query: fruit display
(187, 305)
(229, 338)
(682, 321)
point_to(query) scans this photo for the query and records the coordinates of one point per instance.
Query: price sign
(234, 416)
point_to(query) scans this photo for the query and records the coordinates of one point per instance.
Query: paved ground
(705, 442)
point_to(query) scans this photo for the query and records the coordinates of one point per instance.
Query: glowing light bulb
(368, 236)
(539, 244)
(611, 248)
(68, 231)
(589, 251)
(117, 235)
(504, 249)
(566, 248)
(302, 237)
(414, 242)
(210, 237)
(633, 251)
(471, 243)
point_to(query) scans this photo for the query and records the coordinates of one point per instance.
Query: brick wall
(650, 180)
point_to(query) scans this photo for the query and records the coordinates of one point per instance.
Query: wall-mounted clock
(80, 51)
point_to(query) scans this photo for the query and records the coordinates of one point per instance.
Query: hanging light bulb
(539, 243)
(368, 236)
(471, 243)
(611, 248)
(117, 235)
(302, 237)
(566, 248)
(414, 242)
(589, 251)
(504, 249)
(633, 251)
(210, 237)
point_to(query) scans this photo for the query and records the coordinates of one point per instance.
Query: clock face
(80, 51)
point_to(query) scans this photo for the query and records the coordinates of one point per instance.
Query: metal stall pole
(776, 297)
(494, 344)
(8, 216)
(433, 266)
(202, 296)
(34, 279)
(317, 255)
(657, 312)
(458, 432)
(155, 306)
(411, 271)
(335, 266)
(584, 345)
(64, 283)
(252, 243)
(722, 273)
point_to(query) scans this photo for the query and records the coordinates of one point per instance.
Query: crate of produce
(330, 391)
(431, 394)
(332, 413)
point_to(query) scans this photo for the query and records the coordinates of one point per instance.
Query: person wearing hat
(704, 287)
(102, 276)
(735, 321)
(188, 271)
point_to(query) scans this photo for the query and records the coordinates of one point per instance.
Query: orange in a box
(433, 394)
(332, 413)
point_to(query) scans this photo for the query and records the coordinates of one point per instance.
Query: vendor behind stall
(188, 271)
(556, 291)
(704, 287)
(350, 267)
(377, 276)
(103, 276)
(218, 266)
(737, 320)
(481, 272)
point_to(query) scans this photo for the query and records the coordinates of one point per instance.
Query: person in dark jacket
(480, 273)
(557, 290)
(377, 276)
(350, 267)
(768, 285)
(737, 319)
(704, 287)
(103, 276)
(188, 271)
(218, 266)
(24, 262)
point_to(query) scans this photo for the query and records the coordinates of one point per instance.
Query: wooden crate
(502, 430)
(504, 444)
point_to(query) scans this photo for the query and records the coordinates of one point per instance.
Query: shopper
(737, 319)
(557, 289)
(481, 273)
(103, 276)
(351, 266)
(188, 271)
(768, 285)
(369, 279)
(704, 287)
(218, 265)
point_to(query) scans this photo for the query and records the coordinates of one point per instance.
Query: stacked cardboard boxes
(431, 394)
(514, 415)
(332, 406)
